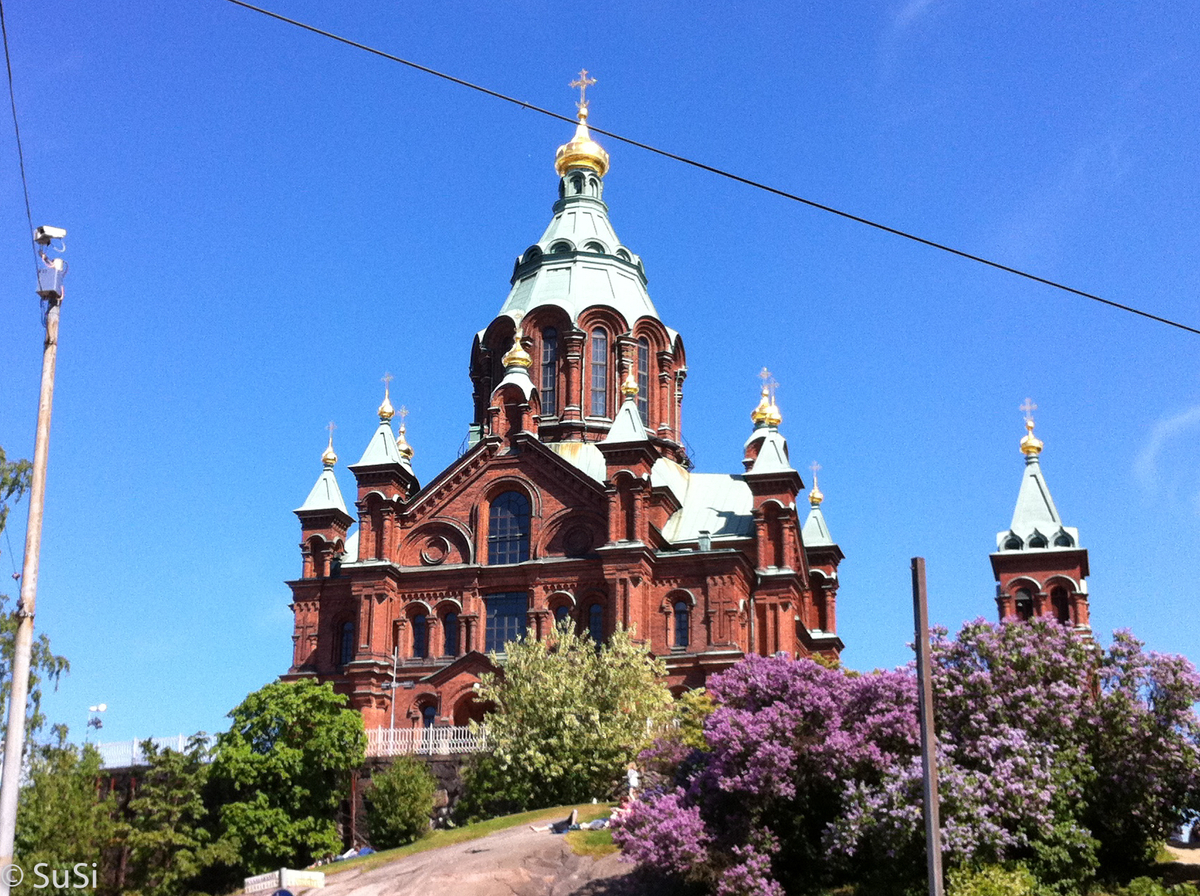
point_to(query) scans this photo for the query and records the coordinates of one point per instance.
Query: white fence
(445, 741)
(128, 753)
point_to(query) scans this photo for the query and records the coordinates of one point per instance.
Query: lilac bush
(1052, 753)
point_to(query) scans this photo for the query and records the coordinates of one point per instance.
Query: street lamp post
(50, 289)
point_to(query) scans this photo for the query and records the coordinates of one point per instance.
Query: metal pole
(14, 739)
(395, 662)
(933, 829)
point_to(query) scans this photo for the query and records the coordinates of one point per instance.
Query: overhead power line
(17, 129)
(758, 185)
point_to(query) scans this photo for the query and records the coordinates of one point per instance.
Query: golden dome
(329, 458)
(1031, 445)
(402, 446)
(759, 414)
(582, 151)
(771, 416)
(517, 356)
(386, 411)
(629, 388)
(815, 497)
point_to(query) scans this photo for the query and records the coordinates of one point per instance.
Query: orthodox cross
(814, 466)
(331, 427)
(768, 382)
(403, 414)
(583, 83)
(1028, 408)
(386, 379)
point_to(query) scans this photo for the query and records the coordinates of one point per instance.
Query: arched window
(643, 380)
(508, 529)
(599, 372)
(1037, 541)
(561, 613)
(549, 370)
(1012, 544)
(1060, 604)
(420, 627)
(450, 629)
(596, 624)
(1024, 604)
(345, 644)
(682, 623)
(1063, 540)
(428, 716)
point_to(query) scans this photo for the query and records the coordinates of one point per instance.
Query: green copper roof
(1035, 522)
(325, 495)
(815, 532)
(627, 425)
(381, 449)
(773, 455)
(579, 262)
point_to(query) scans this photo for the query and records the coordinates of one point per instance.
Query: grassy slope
(436, 839)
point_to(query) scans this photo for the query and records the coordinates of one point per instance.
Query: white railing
(426, 741)
(128, 753)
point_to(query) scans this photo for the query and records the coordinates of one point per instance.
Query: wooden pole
(933, 830)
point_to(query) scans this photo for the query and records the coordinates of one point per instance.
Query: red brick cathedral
(574, 500)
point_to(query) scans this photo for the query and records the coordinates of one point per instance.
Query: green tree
(400, 802)
(63, 819)
(166, 832)
(568, 719)
(44, 665)
(280, 772)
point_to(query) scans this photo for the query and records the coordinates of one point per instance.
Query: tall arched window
(596, 624)
(561, 613)
(643, 380)
(549, 370)
(1024, 604)
(1060, 604)
(345, 651)
(420, 627)
(428, 716)
(450, 628)
(508, 529)
(682, 623)
(599, 372)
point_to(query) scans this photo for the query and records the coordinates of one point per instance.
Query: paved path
(515, 862)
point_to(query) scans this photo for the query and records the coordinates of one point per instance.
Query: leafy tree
(400, 803)
(62, 818)
(568, 719)
(44, 664)
(166, 832)
(280, 772)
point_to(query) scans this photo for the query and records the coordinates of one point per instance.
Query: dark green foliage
(62, 818)
(400, 802)
(281, 771)
(166, 833)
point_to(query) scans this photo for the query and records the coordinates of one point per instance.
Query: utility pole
(50, 289)
(933, 829)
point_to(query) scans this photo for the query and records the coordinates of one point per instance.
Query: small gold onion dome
(1031, 445)
(772, 416)
(517, 356)
(386, 411)
(629, 388)
(759, 414)
(402, 446)
(582, 151)
(815, 497)
(329, 458)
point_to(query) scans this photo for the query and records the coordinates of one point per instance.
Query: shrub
(991, 880)
(400, 802)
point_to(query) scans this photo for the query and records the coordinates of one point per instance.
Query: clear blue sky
(263, 222)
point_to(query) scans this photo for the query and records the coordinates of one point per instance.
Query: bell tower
(1040, 568)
